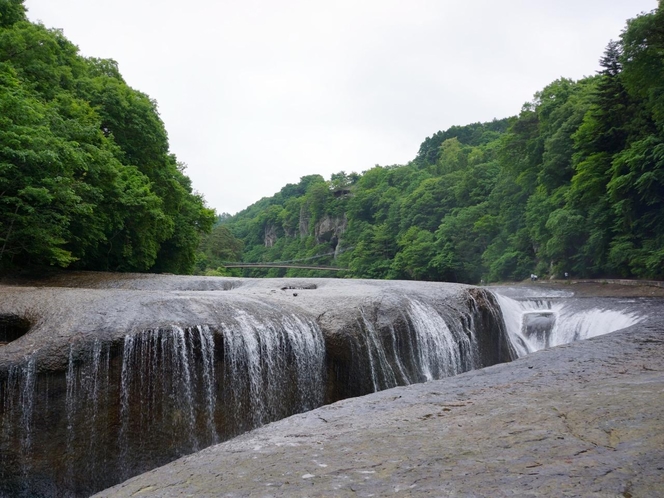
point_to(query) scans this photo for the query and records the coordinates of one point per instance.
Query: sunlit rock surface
(583, 419)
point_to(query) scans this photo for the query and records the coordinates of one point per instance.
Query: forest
(573, 184)
(87, 181)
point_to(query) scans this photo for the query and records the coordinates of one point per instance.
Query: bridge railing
(278, 265)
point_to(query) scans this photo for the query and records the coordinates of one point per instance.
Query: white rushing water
(440, 347)
(534, 324)
(171, 390)
(435, 345)
(267, 360)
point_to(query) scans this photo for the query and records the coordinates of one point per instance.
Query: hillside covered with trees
(86, 177)
(574, 183)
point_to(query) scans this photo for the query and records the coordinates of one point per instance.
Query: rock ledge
(584, 419)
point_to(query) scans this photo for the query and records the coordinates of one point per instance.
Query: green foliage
(216, 248)
(574, 184)
(11, 12)
(86, 180)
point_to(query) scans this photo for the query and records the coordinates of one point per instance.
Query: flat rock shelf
(582, 419)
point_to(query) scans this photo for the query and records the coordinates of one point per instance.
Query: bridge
(278, 265)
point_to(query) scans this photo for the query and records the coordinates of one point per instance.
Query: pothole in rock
(300, 287)
(12, 327)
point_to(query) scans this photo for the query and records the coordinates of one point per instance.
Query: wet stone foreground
(583, 419)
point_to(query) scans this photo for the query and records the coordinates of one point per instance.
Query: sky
(255, 94)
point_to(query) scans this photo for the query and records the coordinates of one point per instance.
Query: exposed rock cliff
(269, 235)
(330, 229)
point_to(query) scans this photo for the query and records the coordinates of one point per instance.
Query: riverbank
(597, 287)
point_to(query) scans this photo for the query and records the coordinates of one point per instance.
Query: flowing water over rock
(555, 319)
(124, 407)
(125, 374)
(584, 419)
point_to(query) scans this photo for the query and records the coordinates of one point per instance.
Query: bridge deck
(272, 265)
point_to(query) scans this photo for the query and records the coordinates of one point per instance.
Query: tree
(11, 12)
(86, 180)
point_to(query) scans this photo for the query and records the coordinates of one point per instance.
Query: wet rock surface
(80, 306)
(583, 419)
(105, 376)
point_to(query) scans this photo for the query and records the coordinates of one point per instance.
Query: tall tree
(86, 179)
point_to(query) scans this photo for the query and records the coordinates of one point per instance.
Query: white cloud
(256, 94)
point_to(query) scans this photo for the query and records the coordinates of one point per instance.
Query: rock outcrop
(269, 235)
(583, 419)
(330, 229)
(112, 375)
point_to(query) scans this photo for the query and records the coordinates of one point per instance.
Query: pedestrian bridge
(281, 265)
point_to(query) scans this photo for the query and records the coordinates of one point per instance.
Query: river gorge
(104, 377)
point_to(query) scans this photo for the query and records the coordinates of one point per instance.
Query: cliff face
(110, 376)
(330, 229)
(270, 235)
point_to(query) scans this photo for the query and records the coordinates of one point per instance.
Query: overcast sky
(257, 93)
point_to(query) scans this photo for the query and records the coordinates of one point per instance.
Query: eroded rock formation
(118, 374)
(584, 419)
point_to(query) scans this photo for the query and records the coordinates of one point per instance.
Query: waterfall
(85, 415)
(534, 324)
(271, 367)
(163, 393)
(382, 374)
(121, 405)
(430, 344)
(18, 400)
(174, 385)
(442, 350)
(207, 353)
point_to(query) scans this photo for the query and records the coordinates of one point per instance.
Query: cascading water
(269, 367)
(442, 351)
(430, 344)
(382, 373)
(122, 404)
(22, 378)
(534, 324)
(121, 408)
(163, 393)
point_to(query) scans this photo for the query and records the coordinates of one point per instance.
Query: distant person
(566, 275)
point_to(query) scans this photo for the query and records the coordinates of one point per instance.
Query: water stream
(537, 323)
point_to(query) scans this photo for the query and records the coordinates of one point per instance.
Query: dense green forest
(574, 183)
(86, 177)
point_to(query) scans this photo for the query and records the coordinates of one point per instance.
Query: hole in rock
(12, 327)
(300, 287)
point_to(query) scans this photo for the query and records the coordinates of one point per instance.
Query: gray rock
(583, 419)
(111, 379)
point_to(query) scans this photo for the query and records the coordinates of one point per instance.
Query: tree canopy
(574, 183)
(86, 177)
